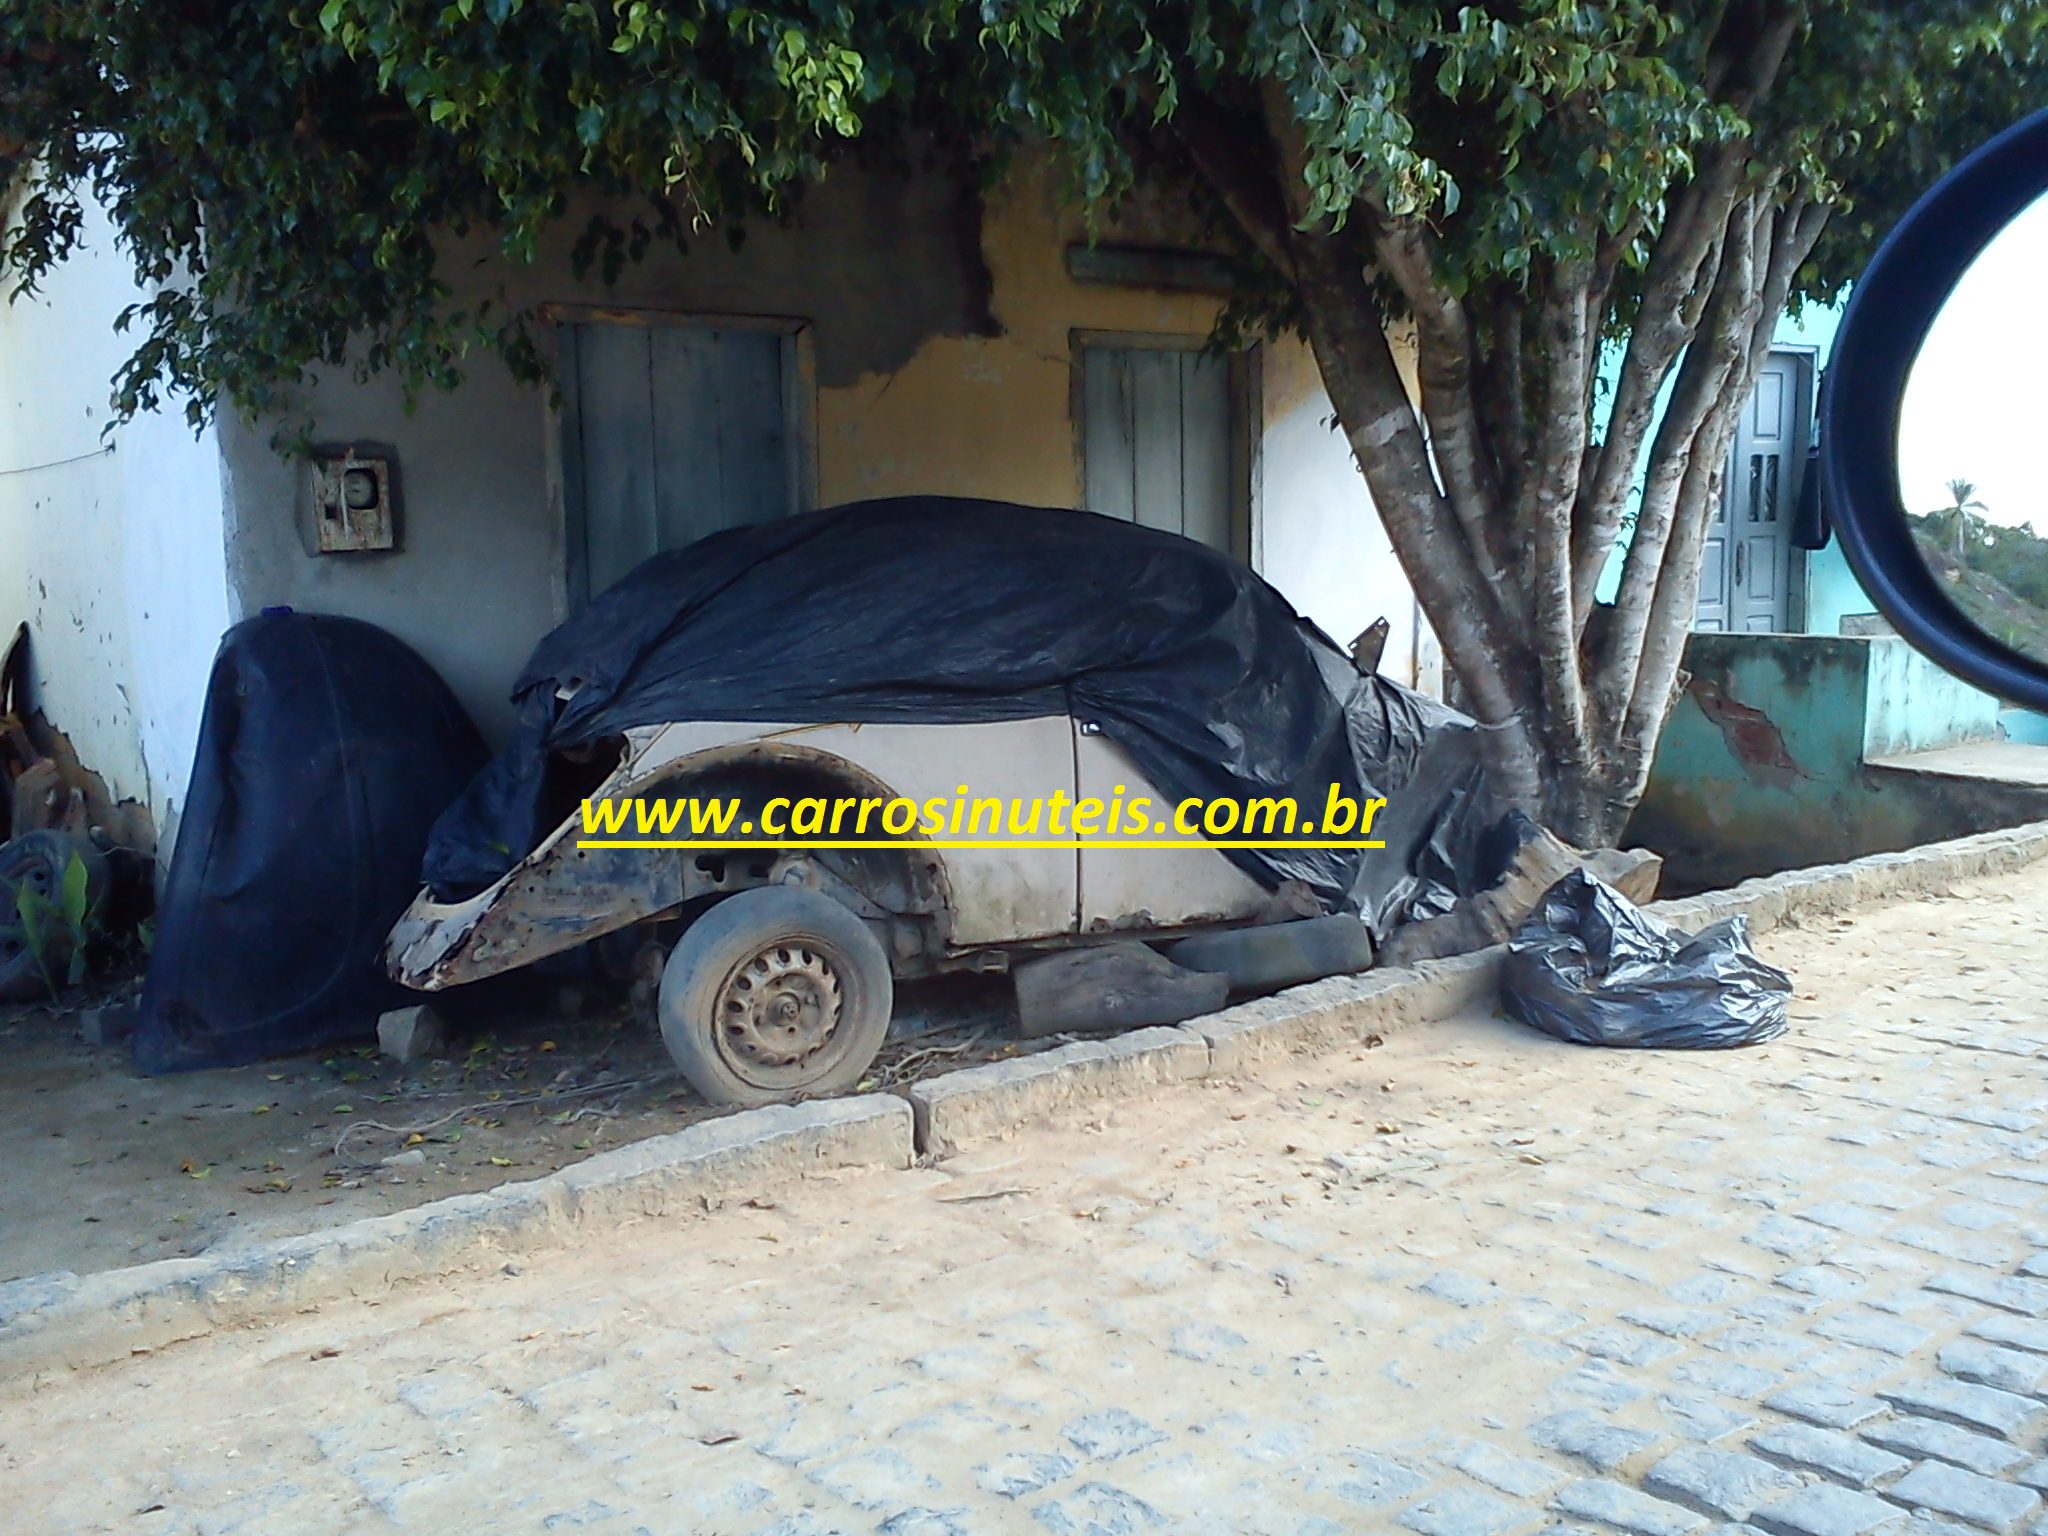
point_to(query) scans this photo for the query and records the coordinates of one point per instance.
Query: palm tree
(1956, 516)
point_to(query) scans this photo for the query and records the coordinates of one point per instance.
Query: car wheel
(775, 992)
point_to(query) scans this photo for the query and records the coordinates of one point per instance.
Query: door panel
(1156, 440)
(1746, 562)
(1205, 449)
(1108, 432)
(1715, 565)
(681, 431)
(1156, 430)
(1762, 466)
(1150, 887)
(616, 425)
(998, 895)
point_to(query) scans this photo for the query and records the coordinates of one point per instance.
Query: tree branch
(1350, 343)
(1500, 395)
(1676, 285)
(1560, 444)
(1444, 357)
(1702, 378)
(1793, 233)
(1223, 148)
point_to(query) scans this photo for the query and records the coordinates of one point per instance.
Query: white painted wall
(110, 550)
(1318, 537)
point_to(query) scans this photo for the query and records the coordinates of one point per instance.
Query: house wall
(940, 336)
(1912, 705)
(1765, 764)
(1317, 536)
(110, 548)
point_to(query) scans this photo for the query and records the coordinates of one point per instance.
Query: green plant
(73, 914)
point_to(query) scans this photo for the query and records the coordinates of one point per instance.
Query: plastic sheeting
(940, 610)
(326, 749)
(1592, 967)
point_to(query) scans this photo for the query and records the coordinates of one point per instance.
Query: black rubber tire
(38, 860)
(708, 959)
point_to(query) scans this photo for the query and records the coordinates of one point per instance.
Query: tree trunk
(1574, 694)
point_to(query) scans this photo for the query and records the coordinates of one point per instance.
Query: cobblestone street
(1471, 1282)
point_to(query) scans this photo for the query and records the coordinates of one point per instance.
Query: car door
(997, 895)
(1143, 888)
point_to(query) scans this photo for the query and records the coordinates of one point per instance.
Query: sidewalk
(1470, 1283)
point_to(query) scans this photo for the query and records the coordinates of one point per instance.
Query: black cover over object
(326, 750)
(1590, 966)
(943, 610)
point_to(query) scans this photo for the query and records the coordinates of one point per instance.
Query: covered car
(919, 648)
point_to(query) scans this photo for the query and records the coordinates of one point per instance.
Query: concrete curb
(1825, 888)
(67, 1321)
(980, 1103)
(976, 1103)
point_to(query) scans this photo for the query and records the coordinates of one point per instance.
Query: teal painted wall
(1911, 705)
(2023, 725)
(1764, 764)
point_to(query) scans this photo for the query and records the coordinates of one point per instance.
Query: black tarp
(326, 750)
(944, 610)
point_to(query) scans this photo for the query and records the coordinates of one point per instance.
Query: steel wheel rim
(779, 1016)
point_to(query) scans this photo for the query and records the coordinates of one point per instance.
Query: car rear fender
(564, 894)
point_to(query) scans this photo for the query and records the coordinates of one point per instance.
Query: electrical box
(355, 502)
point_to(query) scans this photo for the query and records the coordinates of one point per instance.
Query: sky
(1976, 403)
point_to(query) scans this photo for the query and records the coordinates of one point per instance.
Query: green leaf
(73, 895)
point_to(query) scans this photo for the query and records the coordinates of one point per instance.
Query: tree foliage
(1572, 208)
(286, 173)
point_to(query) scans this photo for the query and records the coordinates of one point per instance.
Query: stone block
(412, 1033)
(1982, 1501)
(1001, 1097)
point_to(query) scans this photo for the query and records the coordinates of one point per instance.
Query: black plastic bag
(1592, 967)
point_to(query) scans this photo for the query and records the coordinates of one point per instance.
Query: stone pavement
(1471, 1282)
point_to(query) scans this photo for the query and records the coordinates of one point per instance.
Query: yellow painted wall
(990, 416)
(993, 417)
(911, 400)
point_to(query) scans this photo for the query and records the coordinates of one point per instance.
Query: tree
(1537, 189)
(1957, 519)
(1531, 188)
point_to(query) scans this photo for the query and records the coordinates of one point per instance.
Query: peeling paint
(1753, 737)
(1771, 771)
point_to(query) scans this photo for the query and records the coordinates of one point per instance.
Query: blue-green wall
(1765, 764)
(1911, 705)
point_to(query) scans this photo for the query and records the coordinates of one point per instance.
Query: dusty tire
(775, 992)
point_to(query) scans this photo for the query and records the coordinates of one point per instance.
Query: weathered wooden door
(1746, 570)
(671, 432)
(1156, 429)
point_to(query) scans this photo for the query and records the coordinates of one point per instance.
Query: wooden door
(1156, 440)
(1746, 570)
(673, 432)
